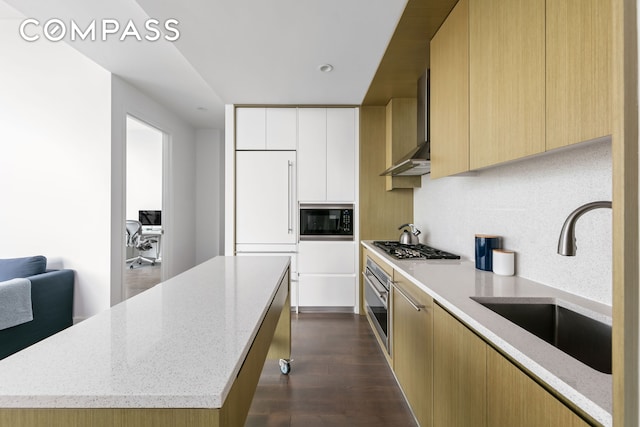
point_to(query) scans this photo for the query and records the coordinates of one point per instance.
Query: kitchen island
(187, 352)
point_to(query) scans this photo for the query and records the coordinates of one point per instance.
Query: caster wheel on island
(285, 366)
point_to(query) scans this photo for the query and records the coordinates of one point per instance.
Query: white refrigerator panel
(266, 197)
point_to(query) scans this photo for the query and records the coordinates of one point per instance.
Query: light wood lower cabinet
(413, 346)
(514, 399)
(459, 374)
(452, 377)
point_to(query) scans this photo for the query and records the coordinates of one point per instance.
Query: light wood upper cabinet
(259, 128)
(401, 136)
(413, 346)
(514, 399)
(460, 374)
(578, 94)
(449, 77)
(507, 80)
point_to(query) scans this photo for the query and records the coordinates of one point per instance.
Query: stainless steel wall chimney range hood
(416, 162)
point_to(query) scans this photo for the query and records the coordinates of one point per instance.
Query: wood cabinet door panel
(507, 83)
(459, 372)
(449, 76)
(514, 399)
(578, 77)
(413, 347)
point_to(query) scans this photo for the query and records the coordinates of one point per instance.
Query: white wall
(144, 168)
(527, 202)
(179, 194)
(209, 194)
(55, 161)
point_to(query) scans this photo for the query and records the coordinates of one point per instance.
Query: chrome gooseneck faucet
(567, 240)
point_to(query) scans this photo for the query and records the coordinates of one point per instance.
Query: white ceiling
(237, 51)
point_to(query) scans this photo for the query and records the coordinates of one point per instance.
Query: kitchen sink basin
(580, 336)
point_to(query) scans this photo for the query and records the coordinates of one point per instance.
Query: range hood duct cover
(416, 162)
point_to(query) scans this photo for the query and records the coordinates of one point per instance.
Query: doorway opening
(145, 228)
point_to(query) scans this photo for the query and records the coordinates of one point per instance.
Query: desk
(187, 352)
(155, 232)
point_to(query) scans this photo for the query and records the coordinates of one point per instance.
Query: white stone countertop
(179, 344)
(452, 282)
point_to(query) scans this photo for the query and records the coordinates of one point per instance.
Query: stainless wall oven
(377, 300)
(326, 222)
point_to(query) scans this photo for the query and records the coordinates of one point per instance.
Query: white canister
(503, 262)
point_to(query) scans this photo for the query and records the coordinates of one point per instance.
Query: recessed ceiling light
(201, 109)
(326, 68)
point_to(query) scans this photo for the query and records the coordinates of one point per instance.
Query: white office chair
(136, 240)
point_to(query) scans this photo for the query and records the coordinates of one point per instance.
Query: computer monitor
(150, 217)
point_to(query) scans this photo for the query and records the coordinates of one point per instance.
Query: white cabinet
(326, 291)
(341, 154)
(266, 207)
(327, 154)
(326, 272)
(312, 154)
(327, 257)
(266, 128)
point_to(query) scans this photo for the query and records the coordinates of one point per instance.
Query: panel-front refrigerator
(267, 207)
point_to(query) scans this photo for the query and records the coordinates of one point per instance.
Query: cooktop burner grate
(419, 251)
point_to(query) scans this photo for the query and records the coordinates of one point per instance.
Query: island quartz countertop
(180, 344)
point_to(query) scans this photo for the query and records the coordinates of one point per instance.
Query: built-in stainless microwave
(326, 222)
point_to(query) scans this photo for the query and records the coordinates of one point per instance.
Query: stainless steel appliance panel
(377, 298)
(326, 222)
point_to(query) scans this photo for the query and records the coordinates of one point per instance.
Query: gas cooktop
(419, 251)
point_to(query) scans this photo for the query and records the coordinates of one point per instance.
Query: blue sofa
(51, 301)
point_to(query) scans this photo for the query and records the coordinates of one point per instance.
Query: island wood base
(273, 340)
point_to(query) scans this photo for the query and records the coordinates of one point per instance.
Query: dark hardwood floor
(339, 377)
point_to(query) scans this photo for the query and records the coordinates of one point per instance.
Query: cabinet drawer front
(327, 291)
(327, 257)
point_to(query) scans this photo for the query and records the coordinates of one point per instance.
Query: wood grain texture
(507, 84)
(233, 412)
(413, 347)
(578, 71)
(407, 54)
(236, 406)
(625, 214)
(401, 133)
(449, 112)
(109, 417)
(459, 372)
(514, 399)
(377, 220)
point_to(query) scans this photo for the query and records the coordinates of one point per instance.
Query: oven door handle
(381, 293)
(416, 305)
